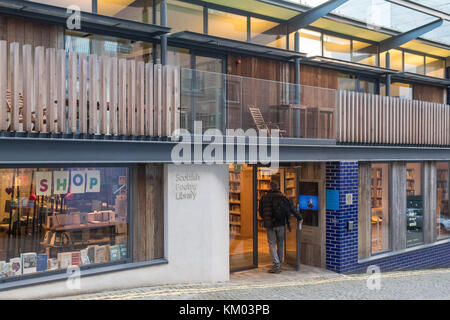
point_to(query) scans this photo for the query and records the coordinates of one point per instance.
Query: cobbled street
(309, 283)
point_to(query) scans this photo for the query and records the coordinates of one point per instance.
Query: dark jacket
(275, 209)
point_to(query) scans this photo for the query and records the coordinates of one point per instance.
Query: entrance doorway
(248, 238)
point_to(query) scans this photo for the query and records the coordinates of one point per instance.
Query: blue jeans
(275, 237)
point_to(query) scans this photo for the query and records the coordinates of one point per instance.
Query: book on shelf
(84, 257)
(123, 251)
(76, 258)
(3, 272)
(64, 259)
(100, 254)
(52, 264)
(91, 253)
(114, 253)
(41, 262)
(16, 266)
(28, 262)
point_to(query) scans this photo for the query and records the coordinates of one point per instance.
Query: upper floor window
(365, 53)
(414, 63)
(336, 48)
(435, 67)
(227, 25)
(263, 32)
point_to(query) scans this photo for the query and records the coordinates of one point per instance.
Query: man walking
(275, 210)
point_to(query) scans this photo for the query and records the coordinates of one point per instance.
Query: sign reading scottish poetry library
(186, 186)
(62, 182)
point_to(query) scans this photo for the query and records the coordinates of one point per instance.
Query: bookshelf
(235, 199)
(377, 190)
(442, 183)
(410, 182)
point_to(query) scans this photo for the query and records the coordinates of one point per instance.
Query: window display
(414, 204)
(380, 207)
(443, 210)
(53, 218)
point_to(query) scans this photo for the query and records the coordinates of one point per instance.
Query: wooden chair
(260, 123)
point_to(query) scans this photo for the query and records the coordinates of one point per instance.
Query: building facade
(124, 163)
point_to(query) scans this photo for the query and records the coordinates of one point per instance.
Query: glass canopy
(384, 14)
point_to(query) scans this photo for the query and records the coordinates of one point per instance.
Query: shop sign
(67, 181)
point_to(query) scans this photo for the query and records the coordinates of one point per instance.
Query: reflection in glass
(414, 204)
(443, 209)
(435, 67)
(263, 32)
(398, 89)
(336, 48)
(108, 46)
(227, 25)
(310, 42)
(364, 53)
(139, 11)
(414, 63)
(380, 207)
(346, 82)
(396, 60)
(52, 218)
(241, 215)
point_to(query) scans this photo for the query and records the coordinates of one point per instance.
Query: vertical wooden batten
(148, 212)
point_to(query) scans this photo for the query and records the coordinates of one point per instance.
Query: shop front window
(443, 210)
(414, 204)
(53, 218)
(398, 89)
(380, 207)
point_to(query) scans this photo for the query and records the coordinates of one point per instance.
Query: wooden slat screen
(54, 92)
(373, 119)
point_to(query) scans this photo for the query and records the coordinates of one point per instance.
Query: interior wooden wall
(428, 93)
(25, 31)
(148, 212)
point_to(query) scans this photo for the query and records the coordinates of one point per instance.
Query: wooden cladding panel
(105, 96)
(34, 33)
(148, 213)
(366, 118)
(427, 93)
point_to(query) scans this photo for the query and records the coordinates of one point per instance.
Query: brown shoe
(274, 270)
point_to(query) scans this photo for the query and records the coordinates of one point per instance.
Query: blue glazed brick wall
(342, 246)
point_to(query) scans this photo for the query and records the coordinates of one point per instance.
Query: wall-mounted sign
(64, 182)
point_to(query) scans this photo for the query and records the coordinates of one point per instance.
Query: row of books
(37, 262)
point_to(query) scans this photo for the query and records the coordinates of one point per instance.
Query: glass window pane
(364, 53)
(85, 5)
(108, 46)
(263, 33)
(396, 60)
(414, 204)
(367, 86)
(346, 82)
(182, 16)
(52, 218)
(336, 48)
(139, 11)
(310, 42)
(435, 67)
(241, 216)
(401, 90)
(227, 25)
(414, 63)
(380, 207)
(443, 209)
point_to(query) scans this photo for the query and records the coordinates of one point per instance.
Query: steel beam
(306, 18)
(400, 39)
(34, 151)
